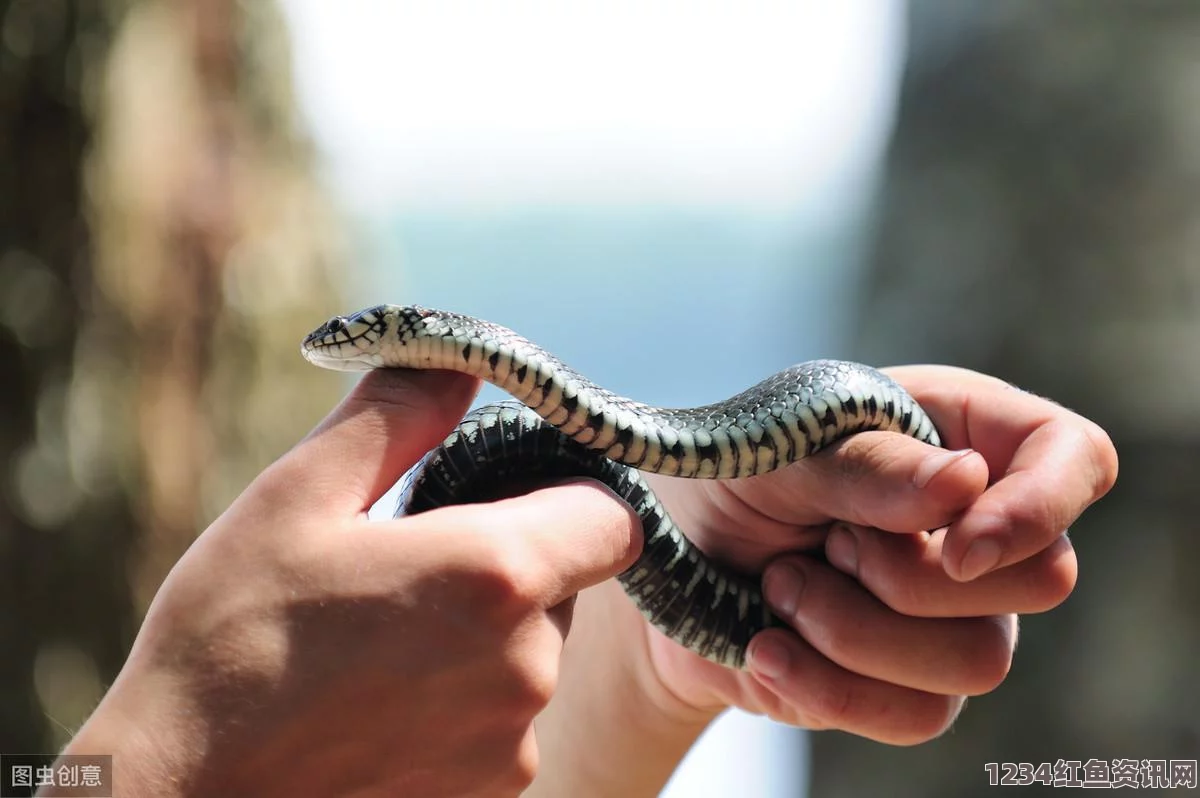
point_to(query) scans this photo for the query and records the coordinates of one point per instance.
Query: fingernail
(769, 659)
(982, 556)
(934, 464)
(782, 587)
(842, 550)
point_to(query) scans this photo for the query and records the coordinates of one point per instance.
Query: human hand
(895, 625)
(299, 649)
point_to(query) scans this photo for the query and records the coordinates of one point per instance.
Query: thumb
(547, 545)
(387, 422)
(576, 535)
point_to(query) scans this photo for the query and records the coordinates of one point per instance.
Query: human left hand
(894, 626)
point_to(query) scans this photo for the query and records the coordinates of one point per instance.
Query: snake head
(348, 343)
(374, 337)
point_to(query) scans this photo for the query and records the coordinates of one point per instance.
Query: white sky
(469, 102)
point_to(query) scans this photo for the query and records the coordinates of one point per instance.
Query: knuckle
(612, 521)
(1103, 458)
(525, 765)
(1039, 516)
(932, 720)
(992, 654)
(504, 576)
(533, 687)
(1052, 576)
(505, 765)
(840, 637)
(627, 544)
(861, 456)
(830, 707)
(849, 467)
(505, 757)
(1097, 456)
(290, 484)
(888, 575)
(906, 597)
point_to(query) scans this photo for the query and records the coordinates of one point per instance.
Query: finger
(534, 550)
(905, 572)
(949, 656)
(1053, 464)
(379, 431)
(1051, 480)
(876, 479)
(577, 534)
(529, 666)
(816, 693)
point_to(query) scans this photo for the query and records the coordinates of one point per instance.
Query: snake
(563, 425)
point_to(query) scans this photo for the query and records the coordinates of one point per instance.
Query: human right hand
(298, 649)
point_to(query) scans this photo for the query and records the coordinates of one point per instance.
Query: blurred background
(678, 200)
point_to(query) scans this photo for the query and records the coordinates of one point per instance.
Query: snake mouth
(337, 355)
(334, 345)
(349, 343)
(328, 357)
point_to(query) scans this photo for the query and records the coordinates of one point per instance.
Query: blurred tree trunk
(165, 247)
(1039, 222)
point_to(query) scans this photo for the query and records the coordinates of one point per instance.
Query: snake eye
(335, 325)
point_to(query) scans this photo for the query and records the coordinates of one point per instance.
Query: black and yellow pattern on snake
(568, 426)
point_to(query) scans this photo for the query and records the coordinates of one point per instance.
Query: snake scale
(567, 426)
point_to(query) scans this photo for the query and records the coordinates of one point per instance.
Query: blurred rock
(1040, 220)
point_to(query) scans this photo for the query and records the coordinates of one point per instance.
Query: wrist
(649, 656)
(149, 734)
(612, 728)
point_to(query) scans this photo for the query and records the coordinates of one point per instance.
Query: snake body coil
(568, 426)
